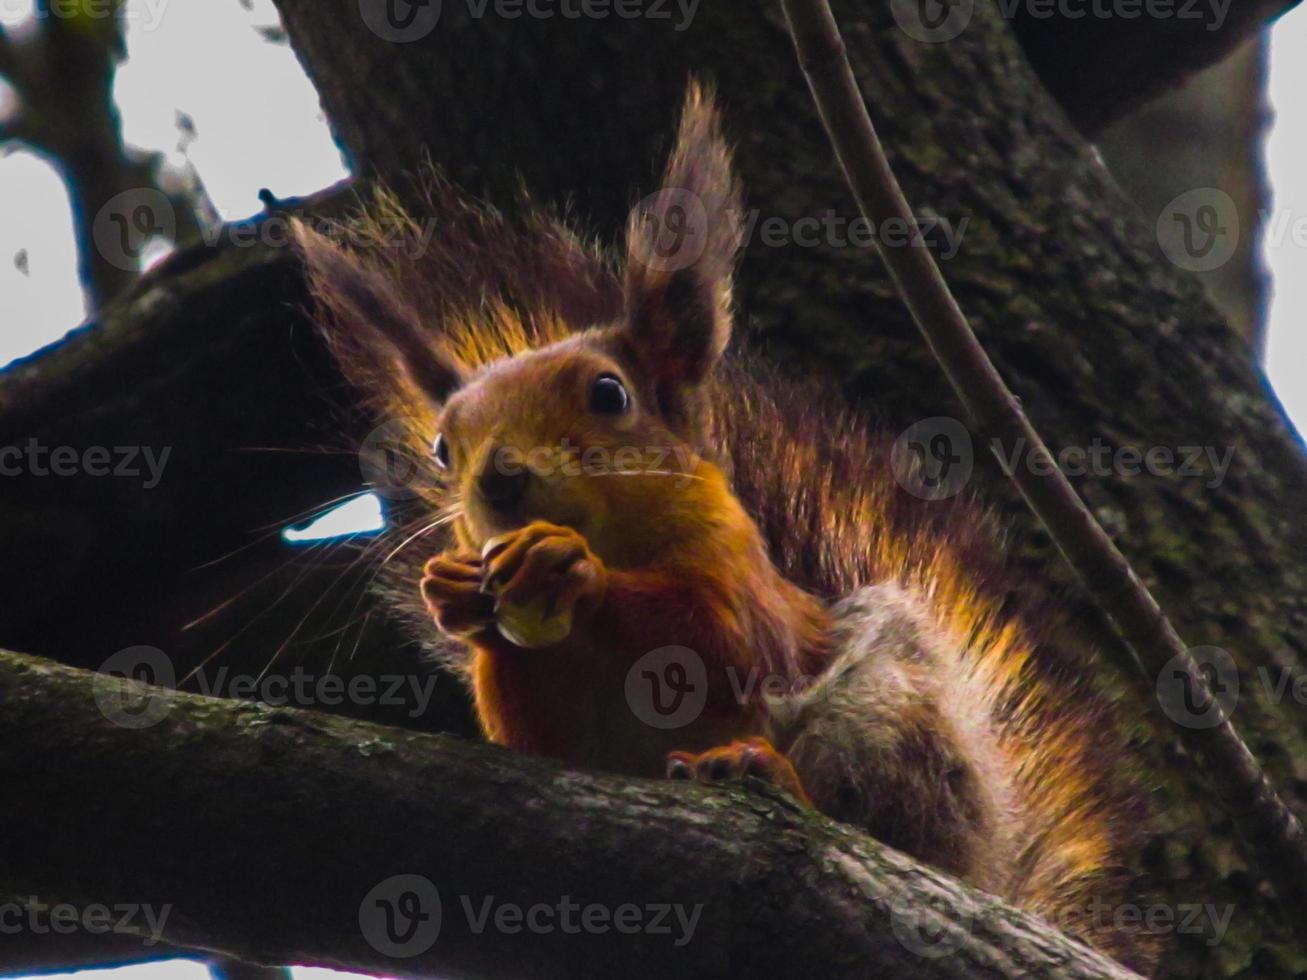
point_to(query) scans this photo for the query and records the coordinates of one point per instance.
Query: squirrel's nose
(503, 487)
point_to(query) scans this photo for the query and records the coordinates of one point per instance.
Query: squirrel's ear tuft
(681, 248)
(374, 334)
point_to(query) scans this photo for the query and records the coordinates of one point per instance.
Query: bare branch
(260, 833)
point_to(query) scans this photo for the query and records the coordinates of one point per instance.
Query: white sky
(260, 125)
(182, 970)
(1285, 243)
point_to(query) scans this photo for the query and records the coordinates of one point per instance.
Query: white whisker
(425, 529)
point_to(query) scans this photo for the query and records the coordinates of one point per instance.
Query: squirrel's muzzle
(502, 487)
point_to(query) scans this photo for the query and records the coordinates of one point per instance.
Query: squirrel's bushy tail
(822, 486)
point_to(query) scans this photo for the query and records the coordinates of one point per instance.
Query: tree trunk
(1101, 334)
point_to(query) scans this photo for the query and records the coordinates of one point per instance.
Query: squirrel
(935, 706)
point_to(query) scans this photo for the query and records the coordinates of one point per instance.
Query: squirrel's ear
(373, 333)
(681, 247)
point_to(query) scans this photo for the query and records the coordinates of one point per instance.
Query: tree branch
(63, 73)
(259, 832)
(1265, 821)
(1102, 67)
(8, 62)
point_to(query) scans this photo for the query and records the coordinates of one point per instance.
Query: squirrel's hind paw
(754, 757)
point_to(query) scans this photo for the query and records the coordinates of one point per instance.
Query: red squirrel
(927, 707)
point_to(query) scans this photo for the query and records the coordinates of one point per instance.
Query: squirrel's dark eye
(440, 450)
(608, 396)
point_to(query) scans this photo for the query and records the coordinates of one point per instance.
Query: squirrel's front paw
(542, 576)
(755, 757)
(451, 588)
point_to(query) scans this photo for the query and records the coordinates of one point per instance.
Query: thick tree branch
(8, 62)
(261, 831)
(1102, 60)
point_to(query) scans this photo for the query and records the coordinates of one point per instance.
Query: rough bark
(1091, 326)
(1100, 68)
(1100, 335)
(342, 806)
(1209, 133)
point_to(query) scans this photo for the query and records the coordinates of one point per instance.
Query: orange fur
(781, 497)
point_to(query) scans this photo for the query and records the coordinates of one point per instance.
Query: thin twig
(1232, 771)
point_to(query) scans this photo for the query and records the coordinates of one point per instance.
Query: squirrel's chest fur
(587, 708)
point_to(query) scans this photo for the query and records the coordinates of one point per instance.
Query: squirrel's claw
(451, 589)
(754, 757)
(544, 561)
